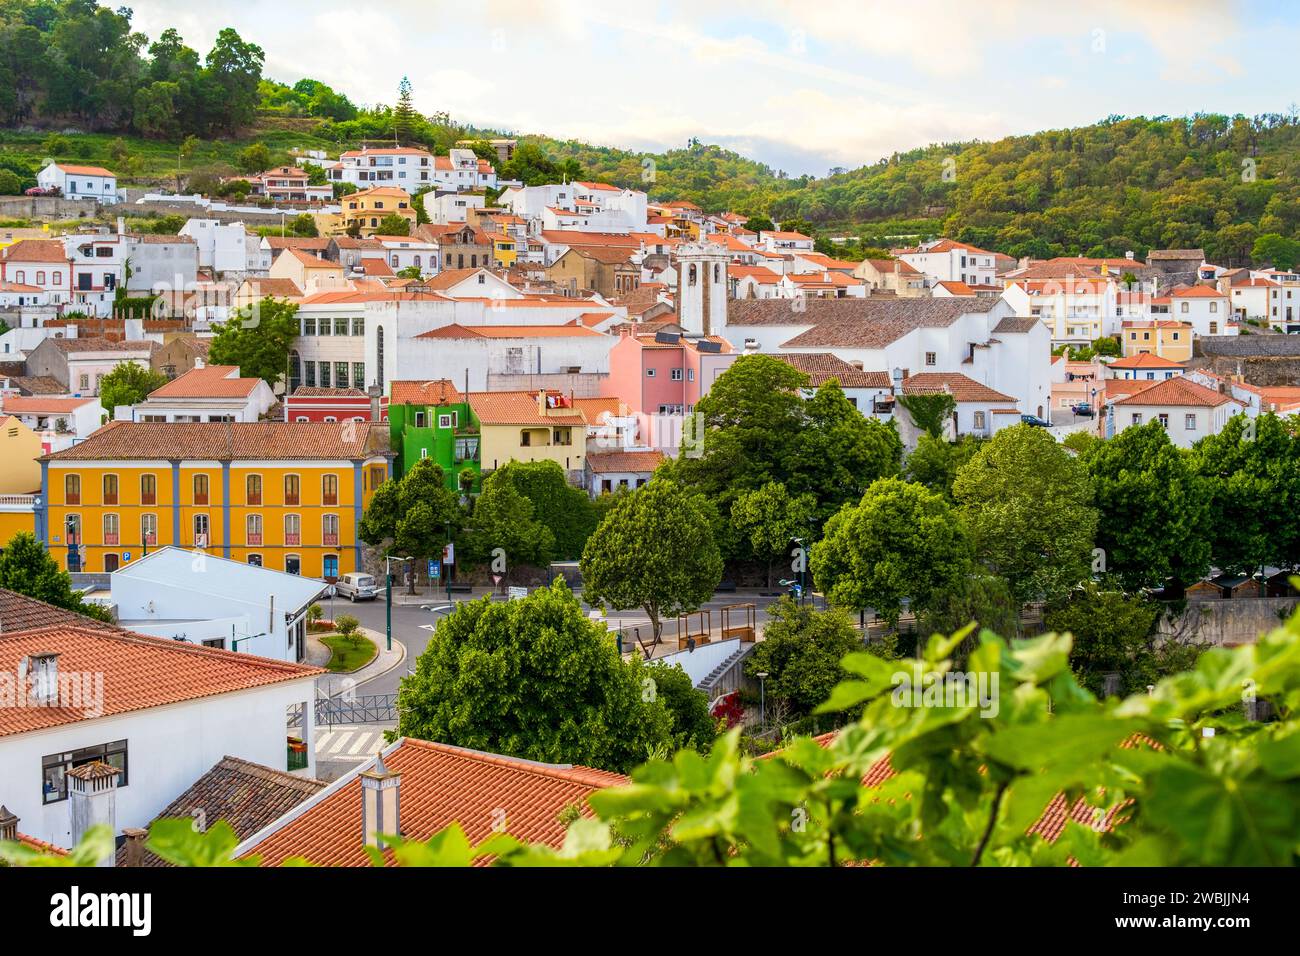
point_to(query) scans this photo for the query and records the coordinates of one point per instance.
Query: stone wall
(48, 207)
(1236, 621)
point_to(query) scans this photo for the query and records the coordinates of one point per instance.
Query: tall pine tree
(404, 115)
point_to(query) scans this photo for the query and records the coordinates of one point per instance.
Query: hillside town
(380, 507)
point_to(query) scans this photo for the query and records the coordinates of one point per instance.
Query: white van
(357, 587)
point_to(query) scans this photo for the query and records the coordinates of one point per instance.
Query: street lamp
(388, 597)
(762, 698)
(447, 565)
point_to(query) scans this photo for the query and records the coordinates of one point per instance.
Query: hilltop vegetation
(77, 84)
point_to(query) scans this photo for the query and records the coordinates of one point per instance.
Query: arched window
(253, 487)
(110, 489)
(72, 490)
(149, 530)
(200, 489)
(110, 529)
(253, 533)
(330, 530)
(292, 530)
(329, 489)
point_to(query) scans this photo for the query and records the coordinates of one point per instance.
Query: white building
(98, 268)
(79, 182)
(206, 393)
(1188, 410)
(160, 263)
(406, 167)
(159, 711)
(786, 242)
(41, 265)
(226, 247)
(947, 261)
(980, 338)
(1205, 308)
(445, 208)
(61, 422)
(215, 602)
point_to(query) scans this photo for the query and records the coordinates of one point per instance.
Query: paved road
(414, 626)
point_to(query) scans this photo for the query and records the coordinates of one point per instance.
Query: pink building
(660, 377)
(1074, 382)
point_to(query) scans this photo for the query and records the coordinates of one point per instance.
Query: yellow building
(503, 249)
(20, 446)
(1160, 337)
(530, 426)
(280, 495)
(367, 209)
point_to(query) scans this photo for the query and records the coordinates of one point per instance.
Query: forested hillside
(77, 83)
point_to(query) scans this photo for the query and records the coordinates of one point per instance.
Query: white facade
(406, 168)
(167, 749)
(194, 596)
(1186, 424)
(1206, 310)
(948, 261)
(79, 182)
(224, 247)
(446, 208)
(162, 263)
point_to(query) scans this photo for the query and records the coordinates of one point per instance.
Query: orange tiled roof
(962, 388)
(1176, 392)
(36, 250)
(42, 404)
(439, 391)
(210, 381)
(85, 170)
(607, 462)
(440, 784)
(517, 408)
(139, 672)
(1144, 360)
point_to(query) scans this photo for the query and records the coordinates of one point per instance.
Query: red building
(311, 403)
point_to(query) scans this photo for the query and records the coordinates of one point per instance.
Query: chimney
(42, 670)
(8, 826)
(374, 392)
(1128, 254)
(380, 803)
(92, 801)
(121, 225)
(134, 846)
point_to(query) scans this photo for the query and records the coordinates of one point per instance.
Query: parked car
(1035, 421)
(357, 587)
(1082, 409)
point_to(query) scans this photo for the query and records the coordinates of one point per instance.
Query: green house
(433, 420)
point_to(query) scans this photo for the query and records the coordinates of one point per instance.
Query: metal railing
(373, 708)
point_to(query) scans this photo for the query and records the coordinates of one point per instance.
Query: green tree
(128, 384)
(1028, 505)
(560, 507)
(26, 567)
(760, 224)
(257, 339)
(393, 225)
(980, 598)
(505, 518)
(1278, 251)
(1112, 633)
(900, 543)
(410, 272)
(654, 550)
(533, 678)
(10, 184)
(769, 518)
(801, 653)
(1153, 509)
(410, 517)
(692, 726)
(404, 118)
(934, 462)
(1251, 468)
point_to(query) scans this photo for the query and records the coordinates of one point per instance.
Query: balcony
(292, 539)
(110, 539)
(254, 540)
(330, 540)
(296, 755)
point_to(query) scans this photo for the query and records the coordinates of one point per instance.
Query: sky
(802, 86)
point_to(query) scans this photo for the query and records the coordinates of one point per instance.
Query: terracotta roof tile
(440, 784)
(1176, 392)
(438, 392)
(608, 462)
(820, 366)
(961, 387)
(518, 408)
(210, 381)
(246, 795)
(229, 441)
(139, 672)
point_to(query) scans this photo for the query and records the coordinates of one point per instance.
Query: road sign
(126, 555)
(331, 591)
(516, 594)
(449, 553)
(435, 569)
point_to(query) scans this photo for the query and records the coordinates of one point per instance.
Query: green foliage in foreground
(967, 788)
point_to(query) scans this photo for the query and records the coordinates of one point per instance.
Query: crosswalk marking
(341, 742)
(363, 740)
(349, 744)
